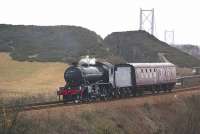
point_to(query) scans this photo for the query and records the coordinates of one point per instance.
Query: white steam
(87, 60)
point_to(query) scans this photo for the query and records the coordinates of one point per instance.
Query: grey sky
(107, 16)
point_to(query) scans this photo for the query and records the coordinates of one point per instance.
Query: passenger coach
(138, 77)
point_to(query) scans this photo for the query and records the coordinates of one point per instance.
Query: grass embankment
(29, 78)
(168, 114)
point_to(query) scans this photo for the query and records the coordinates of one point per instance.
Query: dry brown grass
(152, 115)
(29, 78)
(132, 103)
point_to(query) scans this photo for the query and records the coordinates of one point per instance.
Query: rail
(45, 105)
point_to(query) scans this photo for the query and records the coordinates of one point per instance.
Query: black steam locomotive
(87, 82)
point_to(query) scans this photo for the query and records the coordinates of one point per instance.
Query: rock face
(190, 49)
(50, 43)
(140, 46)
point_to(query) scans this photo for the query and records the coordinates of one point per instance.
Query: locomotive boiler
(86, 81)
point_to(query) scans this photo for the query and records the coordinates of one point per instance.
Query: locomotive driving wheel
(104, 93)
(77, 99)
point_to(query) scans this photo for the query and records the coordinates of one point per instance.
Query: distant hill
(140, 46)
(190, 49)
(50, 43)
(69, 43)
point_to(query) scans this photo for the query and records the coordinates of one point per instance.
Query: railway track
(45, 105)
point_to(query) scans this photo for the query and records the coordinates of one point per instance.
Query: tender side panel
(123, 77)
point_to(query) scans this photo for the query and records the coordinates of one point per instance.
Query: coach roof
(151, 64)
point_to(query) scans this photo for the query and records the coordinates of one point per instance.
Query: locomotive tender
(104, 80)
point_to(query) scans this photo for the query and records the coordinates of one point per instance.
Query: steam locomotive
(88, 82)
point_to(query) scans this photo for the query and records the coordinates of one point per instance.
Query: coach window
(142, 70)
(150, 70)
(146, 70)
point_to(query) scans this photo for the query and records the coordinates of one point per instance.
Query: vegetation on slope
(190, 49)
(50, 43)
(69, 43)
(140, 46)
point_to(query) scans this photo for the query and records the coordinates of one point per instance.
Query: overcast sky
(107, 16)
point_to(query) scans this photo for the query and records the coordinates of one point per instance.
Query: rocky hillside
(190, 49)
(50, 43)
(139, 46)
